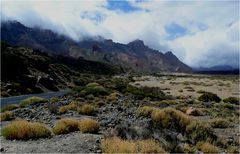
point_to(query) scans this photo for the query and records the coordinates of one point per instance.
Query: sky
(200, 33)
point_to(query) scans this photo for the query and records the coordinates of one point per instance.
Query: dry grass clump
(32, 100)
(170, 118)
(200, 131)
(87, 109)
(72, 106)
(112, 97)
(6, 116)
(63, 109)
(207, 147)
(9, 107)
(220, 123)
(24, 130)
(145, 111)
(89, 126)
(116, 145)
(65, 126)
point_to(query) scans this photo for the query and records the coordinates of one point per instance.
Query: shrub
(65, 126)
(10, 107)
(116, 145)
(145, 111)
(220, 123)
(232, 100)
(120, 84)
(87, 109)
(170, 118)
(6, 116)
(200, 131)
(72, 106)
(89, 126)
(32, 100)
(142, 92)
(94, 89)
(63, 109)
(209, 97)
(207, 147)
(112, 97)
(23, 130)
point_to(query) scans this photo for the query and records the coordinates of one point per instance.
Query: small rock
(99, 151)
(2, 149)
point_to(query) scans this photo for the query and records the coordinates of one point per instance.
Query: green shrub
(89, 126)
(145, 111)
(23, 130)
(120, 84)
(32, 100)
(95, 89)
(65, 126)
(10, 107)
(209, 97)
(6, 116)
(142, 92)
(232, 100)
(87, 109)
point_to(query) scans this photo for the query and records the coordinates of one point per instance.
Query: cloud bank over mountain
(199, 33)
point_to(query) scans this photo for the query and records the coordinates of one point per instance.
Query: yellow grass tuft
(6, 116)
(116, 145)
(145, 111)
(65, 126)
(24, 130)
(63, 109)
(89, 126)
(207, 147)
(87, 109)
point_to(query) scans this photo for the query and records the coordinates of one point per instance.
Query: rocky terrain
(189, 124)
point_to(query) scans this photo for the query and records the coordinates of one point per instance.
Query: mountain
(25, 71)
(218, 69)
(134, 56)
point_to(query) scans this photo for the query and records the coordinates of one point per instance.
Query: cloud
(200, 33)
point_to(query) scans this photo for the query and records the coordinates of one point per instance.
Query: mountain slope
(25, 71)
(134, 56)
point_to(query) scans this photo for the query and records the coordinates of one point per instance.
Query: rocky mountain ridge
(134, 56)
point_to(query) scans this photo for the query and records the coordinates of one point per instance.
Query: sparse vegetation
(220, 123)
(116, 145)
(6, 116)
(23, 130)
(89, 126)
(207, 147)
(87, 109)
(72, 106)
(9, 107)
(32, 100)
(209, 97)
(65, 126)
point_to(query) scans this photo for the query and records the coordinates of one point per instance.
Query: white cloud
(212, 26)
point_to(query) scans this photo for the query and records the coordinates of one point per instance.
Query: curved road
(18, 99)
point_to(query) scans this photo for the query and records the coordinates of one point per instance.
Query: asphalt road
(17, 99)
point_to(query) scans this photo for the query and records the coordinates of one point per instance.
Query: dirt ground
(223, 86)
